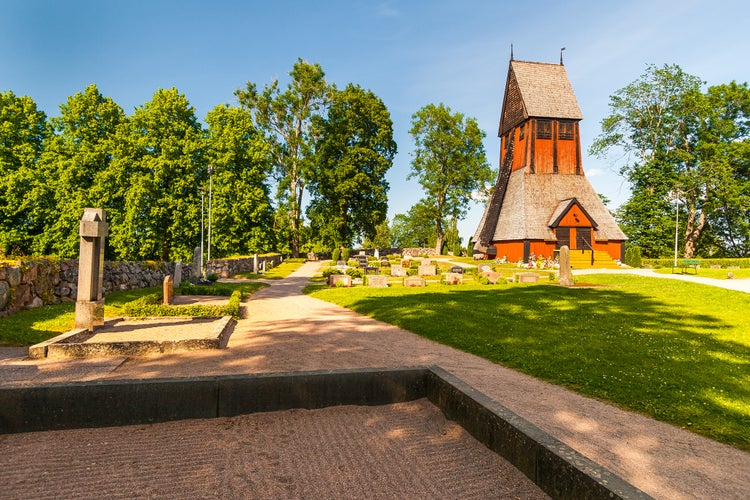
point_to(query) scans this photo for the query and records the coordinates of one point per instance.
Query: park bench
(686, 264)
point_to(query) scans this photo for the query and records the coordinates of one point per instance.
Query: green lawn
(719, 274)
(279, 272)
(676, 351)
(32, 326)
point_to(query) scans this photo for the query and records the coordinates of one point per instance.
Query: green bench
(686, 264)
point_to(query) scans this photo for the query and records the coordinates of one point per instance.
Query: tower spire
(511, 51)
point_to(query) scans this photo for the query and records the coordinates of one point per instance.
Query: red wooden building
(542, 199)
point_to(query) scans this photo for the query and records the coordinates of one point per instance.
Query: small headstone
(414, 281)
(426, 262)
(178, 273)
(730, 276)
(255, 263)
(484, 268)
(196, 272)
(398, 270)
(377, 281)
(384, 262)
(493, 277)
(715, 266)
(377, 253)
(526, 277)
(566, 275)
(457, 270)
(168, 286)
(334, 279)
(340, 263)
(454, 278)
(427, 270)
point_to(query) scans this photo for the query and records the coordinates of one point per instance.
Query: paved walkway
(286, 331)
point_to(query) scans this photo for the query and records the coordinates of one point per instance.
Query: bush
(354, 272)
(633, 256)
(212, 277)
(345, 254)
(336, 255)
(150, 306)
(484, 280)
(329, 271)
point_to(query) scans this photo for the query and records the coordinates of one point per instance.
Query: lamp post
(675, 196)
(203, 274)
(210, 198)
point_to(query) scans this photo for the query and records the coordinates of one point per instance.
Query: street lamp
(675, 197)
(210, 198)
(203, 274)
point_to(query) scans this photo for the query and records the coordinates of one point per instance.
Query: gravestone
(384, 262)
(377, 281)
(398, 270)
(457, 270)
(484, 268)
(334, 279)
(454, 278)
(493, 277)
(414, 281)
(427, 270)
(90, 301)
(255, 263)
(196, 272)
(168, 287)
(426, 262)
(566, 275)
(178, 273)
(526, 277)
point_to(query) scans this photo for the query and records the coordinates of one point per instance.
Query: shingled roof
(531, 199)
(537, 90)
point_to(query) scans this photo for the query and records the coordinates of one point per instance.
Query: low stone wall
(416, 252)
(46, 281)
(226, 268)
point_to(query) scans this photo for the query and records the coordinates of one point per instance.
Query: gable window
(566, 131)
(544, 129)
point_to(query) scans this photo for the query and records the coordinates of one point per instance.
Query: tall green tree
(414, 228)
(242, 219)
(680, 144)
(286, 118)
(25, 205)
(76, 155)
(449, 162)
(355, 150)
(158, 168)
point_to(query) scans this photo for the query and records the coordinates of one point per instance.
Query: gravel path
(287, 331)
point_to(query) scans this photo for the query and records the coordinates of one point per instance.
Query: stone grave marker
(398, 270)
(384, 262)
(414, 281)
(196, 272)
(90, 302)
(566, 275)
(484, 268)
(178, 273)
(168, 287)
(454, 278)
(428, 270)
(457, 270)
(334, 279)
(377, 281)
(526, 277)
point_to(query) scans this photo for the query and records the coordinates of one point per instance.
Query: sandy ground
(287, 331)
(406, 450)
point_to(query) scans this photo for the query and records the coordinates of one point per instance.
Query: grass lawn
(279, 272)
(676, 351)
(32, 326)
(719, 274)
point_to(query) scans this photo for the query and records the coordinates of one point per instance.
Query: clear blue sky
(410, 53)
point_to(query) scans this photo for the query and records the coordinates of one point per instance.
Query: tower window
(566, 131)
(544, 129)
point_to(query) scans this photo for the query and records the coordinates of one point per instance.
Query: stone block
(168, 289)
(526, 277)
(89, 314)
(454, 278)
(4, 294)
(398, 270)
(334, 279)
(414, 281)
(377, 281)
(428, 270)
(493, 277)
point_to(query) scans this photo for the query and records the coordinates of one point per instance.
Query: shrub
(633, 256)
(484, 280)
(354, 272)
(345, 254)
(150, 305)
(457, 249)
(212, 277)
(329, 271)
(336, 255)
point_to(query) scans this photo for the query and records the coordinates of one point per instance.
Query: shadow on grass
(676, 362)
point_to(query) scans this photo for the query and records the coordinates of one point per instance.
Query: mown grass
(276, 273)
(719, 274)
(32, 326)
(676, 351)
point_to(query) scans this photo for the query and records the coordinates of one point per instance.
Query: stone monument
(90, 301)
(168, 288)
(196, 273)
(178, 273)
(566, 276)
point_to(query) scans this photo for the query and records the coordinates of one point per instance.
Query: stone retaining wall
(46, 281)
(226, 268)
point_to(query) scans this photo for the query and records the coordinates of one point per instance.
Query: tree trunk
(440, 235)
(693, 231)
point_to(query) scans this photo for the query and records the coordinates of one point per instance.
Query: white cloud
(594, 172)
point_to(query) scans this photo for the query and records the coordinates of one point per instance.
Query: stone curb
(556, 468)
